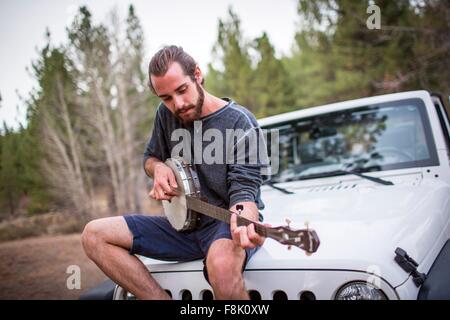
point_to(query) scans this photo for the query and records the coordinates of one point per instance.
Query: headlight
(360, 291)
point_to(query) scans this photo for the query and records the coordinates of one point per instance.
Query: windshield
(385, 136)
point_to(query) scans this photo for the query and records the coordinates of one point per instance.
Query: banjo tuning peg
(288, 221)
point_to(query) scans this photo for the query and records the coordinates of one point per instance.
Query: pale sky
(191, 24)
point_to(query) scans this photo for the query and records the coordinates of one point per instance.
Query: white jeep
(372, 178)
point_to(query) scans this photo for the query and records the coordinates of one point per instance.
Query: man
(112, 242)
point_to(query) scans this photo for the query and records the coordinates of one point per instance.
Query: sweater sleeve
(157, 146)
(244, 176)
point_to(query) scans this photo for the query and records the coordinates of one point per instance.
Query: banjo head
(180, 217)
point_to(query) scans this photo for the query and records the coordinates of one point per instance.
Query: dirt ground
(38, 268)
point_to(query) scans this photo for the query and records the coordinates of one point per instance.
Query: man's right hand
(164, 183)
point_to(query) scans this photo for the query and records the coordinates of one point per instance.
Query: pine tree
(338, 57)
(31, 178)
(9, 171)
(60, 131)
(234, 74)
(135, 108)
(271, 86)
(118, 109)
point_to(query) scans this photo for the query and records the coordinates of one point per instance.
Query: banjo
(183, 211)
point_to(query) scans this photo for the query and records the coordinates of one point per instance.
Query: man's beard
(198, 107)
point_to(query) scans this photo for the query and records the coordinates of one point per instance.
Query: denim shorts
(154, 237)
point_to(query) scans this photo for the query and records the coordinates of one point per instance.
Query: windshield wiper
(271, 184)
(374, 179)
(341, 172)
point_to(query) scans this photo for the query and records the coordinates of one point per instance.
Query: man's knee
(224, 265)
(219, 265)
(91, 235)
(112, 230)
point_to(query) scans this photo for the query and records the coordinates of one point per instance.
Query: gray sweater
(225, 179)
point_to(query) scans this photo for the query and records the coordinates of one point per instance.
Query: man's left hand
(246, 236)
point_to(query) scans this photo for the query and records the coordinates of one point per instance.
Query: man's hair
(160, 62)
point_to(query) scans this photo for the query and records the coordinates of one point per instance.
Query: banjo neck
(305, 239)
(221, 214)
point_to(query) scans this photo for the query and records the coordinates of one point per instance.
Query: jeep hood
(360, 224)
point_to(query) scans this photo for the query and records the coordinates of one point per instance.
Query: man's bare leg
(224, 264)
(107, 242)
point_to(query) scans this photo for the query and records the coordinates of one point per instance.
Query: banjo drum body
(180, 217)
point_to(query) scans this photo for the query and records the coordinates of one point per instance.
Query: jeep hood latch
(409, 265)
